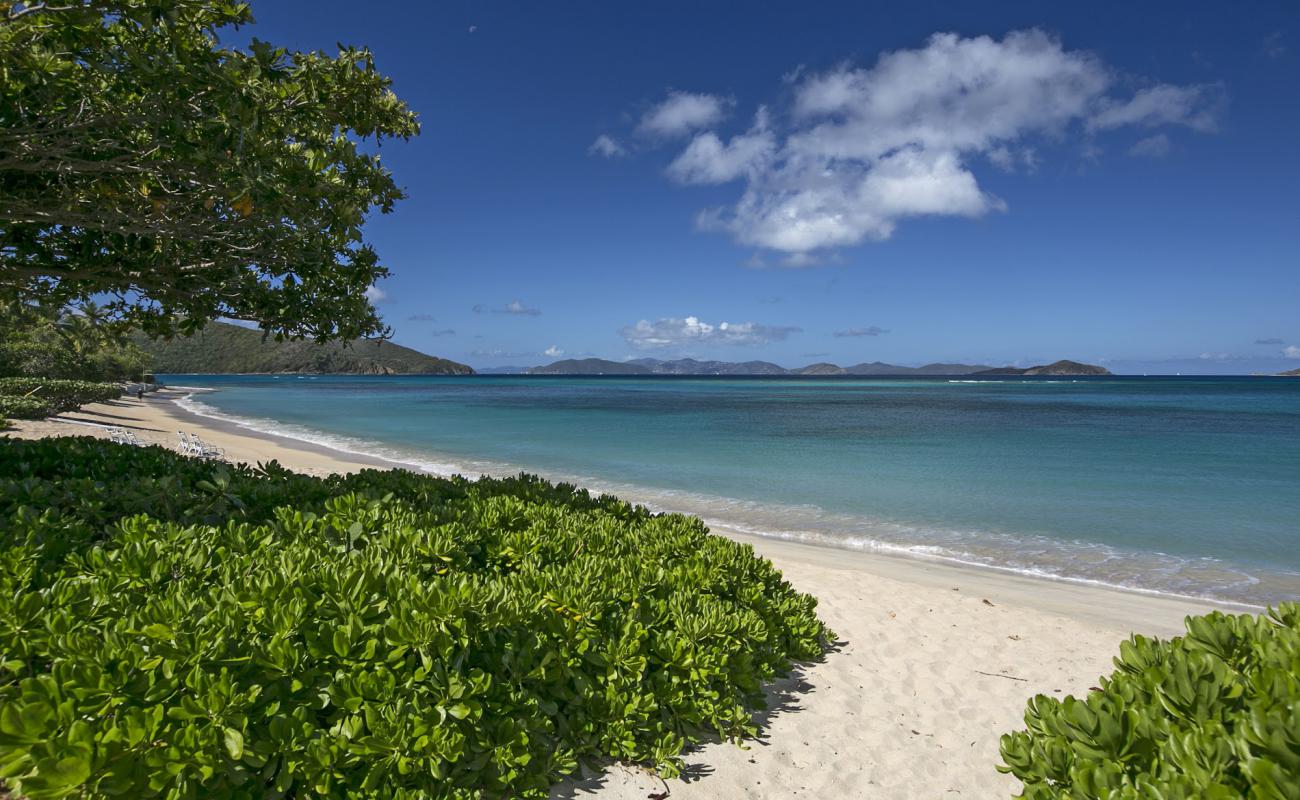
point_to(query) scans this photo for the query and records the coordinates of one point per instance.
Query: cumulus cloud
(1151, 147)
(513, 307)
(420, 318)
(375, 295)
(673, 332)
(1291, 351)
(606, 146)
(707, 159)
(553, 352)
(872, 330)
(1269, 341)
(683, 112)
(1196, 107)
(865, 148)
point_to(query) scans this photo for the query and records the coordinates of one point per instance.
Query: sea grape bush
(175, 628)
(1212, 714)
(16, 407)
(56, 395)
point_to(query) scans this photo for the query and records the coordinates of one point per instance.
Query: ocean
(1187, 486)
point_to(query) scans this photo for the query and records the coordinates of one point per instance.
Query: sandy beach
(935, 662)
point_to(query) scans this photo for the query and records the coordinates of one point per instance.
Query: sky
(998, 183)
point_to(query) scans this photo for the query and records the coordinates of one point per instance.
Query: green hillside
(1064, 367)
(224, 348)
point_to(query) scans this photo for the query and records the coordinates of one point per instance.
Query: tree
(43, 343)
(146, 164)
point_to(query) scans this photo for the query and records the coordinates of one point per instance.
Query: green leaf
(234, 741)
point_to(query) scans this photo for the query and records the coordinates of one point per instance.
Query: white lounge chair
(194, 446)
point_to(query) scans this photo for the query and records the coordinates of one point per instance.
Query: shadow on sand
(783, 697)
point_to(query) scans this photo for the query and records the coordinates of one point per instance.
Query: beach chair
(208, 450)
(187, 446)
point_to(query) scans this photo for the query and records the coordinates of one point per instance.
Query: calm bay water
(1188, 485)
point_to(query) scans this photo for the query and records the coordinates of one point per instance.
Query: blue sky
(1005, 182)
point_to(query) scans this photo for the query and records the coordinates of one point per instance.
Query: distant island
(222, 348)
(1055, 368)
(1291, 373)
(690, 366)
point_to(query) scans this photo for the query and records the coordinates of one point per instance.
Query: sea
(1176, 485)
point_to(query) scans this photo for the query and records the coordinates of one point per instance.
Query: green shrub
(1212, 714)
(61, 395)
(178, 628)
(19, 407)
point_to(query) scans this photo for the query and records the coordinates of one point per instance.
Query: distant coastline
(224, 349)
(690, 366)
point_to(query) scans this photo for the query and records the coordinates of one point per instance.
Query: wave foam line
(663, 502)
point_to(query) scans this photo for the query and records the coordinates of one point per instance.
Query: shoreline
(900, 557)
(935, 661)
(321, 458)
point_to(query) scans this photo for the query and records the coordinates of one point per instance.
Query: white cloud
(553, 352)
(1151, 147)
(1002, 158)
(375, 295)
(872, 330)
(672, 332)
(1273, 47)
(499, 353)
(1197, 107)
(707, 159)
(869, 147)
(606, 146)
(1291, 351)
(684, 112)
(1009, 160)
(513, 307)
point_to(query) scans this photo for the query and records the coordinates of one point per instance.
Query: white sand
(936, 662)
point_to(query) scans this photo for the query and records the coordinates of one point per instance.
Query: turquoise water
(1188, 486)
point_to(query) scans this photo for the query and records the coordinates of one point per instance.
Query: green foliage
(144, 160)
(19, 407)
(58, 396)
(1212, 714)
(170, 627)
(223, 348)
(57, 343)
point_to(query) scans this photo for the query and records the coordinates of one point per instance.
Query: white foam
(1002, 552)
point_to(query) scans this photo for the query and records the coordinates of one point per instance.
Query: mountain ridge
(1062, 367)
(223, 348)
(690, 366)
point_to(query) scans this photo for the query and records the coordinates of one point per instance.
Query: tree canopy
(145, 163)
(55, 343)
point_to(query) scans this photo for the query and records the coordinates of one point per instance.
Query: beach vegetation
(21, 407)
(43, 342)
(147, 162)
(41, 397)
(1214, 713)
(173, 627)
